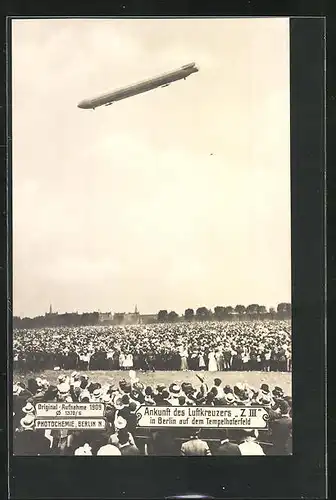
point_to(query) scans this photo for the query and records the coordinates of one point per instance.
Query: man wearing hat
(126, 448)
(63, 393)
(195, 446)
(281, 431)
(29, 409)
(84, 450)
(220, 390)
(108, 450)
(29, 441)
(249, 445)
(175, 393)
(119, 424)
(226, 447)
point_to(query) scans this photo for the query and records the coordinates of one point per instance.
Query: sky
(176, 198)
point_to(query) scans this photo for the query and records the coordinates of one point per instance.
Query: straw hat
(83, 450)
(29, 408)
(120, 423)
(27, 422)
(108, 450)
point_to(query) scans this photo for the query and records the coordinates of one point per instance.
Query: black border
(303, 474)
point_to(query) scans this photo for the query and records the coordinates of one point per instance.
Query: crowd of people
(210, 346)
(122, 436)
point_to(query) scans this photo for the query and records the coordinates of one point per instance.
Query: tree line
(220, 313)
(229, 313)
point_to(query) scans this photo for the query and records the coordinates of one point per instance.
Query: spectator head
(125, 400)
(175, 390)
(160, 387)
(284, 407)
(84, 450)
(278, 392)
(148, 391)
(97, 394)
(132, 407)
(120, 423)
(214, 391)
(165, 394)
(28, 409)
(264, 388)
(194, 433)
(217, 382)
(210, 397)
(227, 389)
(123, 436)
(63, 391)
(84, 382)
(108, 450)
(229, 398)
(27, 422)
(251, 433)
(138, 386)
(182, 400)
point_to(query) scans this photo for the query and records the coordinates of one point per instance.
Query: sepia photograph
(151, 201)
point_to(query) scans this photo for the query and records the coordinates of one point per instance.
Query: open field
(282, 379)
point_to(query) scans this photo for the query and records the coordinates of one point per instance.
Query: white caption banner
(203, 416)
(70, 410)
(75, 423)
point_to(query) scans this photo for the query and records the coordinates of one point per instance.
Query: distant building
(132, 318)
(148, 318)
(105, 317)
(51, 313)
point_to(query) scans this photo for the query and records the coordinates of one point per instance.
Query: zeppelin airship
(138, 88)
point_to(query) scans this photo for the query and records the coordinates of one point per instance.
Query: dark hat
(264, 388)
(284, 407)
(148, 390)
(277, 392)
(135, 395)
(132, 406)
(227, 389)
(165, 394)
(122, 383)
(181, 400)
(125, 399)
(217, 381)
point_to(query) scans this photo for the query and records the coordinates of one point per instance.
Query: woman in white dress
(201, 361)
(129, 361)
(122, 360)
(184, 359)
(212, 362)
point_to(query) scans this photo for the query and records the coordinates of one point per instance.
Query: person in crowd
(122, 401)
(226, 447)
(195, 446)
(28, 441)
(126, 448)
(212, 346)
(281, 431)
(249, 444)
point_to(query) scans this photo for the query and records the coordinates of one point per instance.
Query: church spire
(136, 309)
(50, 309)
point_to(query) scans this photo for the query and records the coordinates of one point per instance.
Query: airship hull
(139, 88)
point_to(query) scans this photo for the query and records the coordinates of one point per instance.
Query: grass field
(282, 379)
